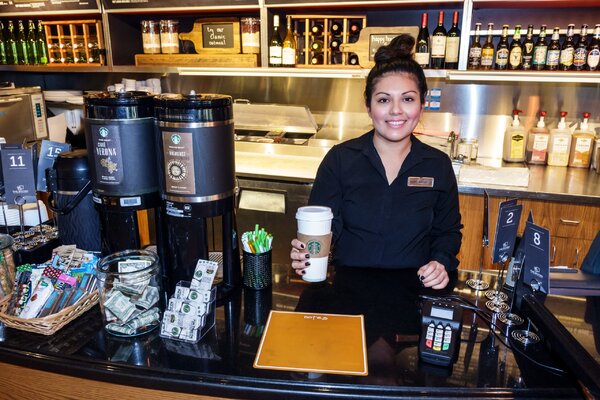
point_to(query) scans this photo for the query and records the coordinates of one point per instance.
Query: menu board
(41, 7)
(128, 4)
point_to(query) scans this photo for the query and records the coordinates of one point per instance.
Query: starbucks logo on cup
(314, 247)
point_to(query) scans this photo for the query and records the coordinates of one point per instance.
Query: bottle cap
(584, 123)
(562, 124)
(516, 121)
(541, 123)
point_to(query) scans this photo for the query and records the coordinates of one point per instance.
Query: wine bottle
(452, 44)
(528, 49)
(317, 46)
(3, 52)
(553, 53)
(335, 43)
(316, 29)
(288, 52)
(335, 28)
(515, 56)
(354, 28)
(567, 50)
(23, 56)
(422, 46)
(474, 61)
(317, 59)
(593, 58)
(502, 50)
(275, 45)
(32, 51)
(12, 54)
(42, 47)
(353, 59)
(540, 50)
(487, 51)
(581, 50)
(438, 43)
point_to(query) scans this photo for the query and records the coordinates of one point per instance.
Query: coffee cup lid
(314, 213)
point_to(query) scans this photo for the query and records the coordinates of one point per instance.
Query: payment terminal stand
(441, 325)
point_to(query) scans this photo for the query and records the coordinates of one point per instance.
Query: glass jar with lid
(250, 35)
(151, 36)
(169, 36)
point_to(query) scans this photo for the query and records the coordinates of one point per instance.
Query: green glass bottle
(42, 47)
(12, 54)
(3, 54)
(32, 51)
(22, 55)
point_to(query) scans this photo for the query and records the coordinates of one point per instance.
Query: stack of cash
(130, 304)
(190, 304)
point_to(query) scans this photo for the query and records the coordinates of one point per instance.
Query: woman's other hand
(433, 275)
(300, 257)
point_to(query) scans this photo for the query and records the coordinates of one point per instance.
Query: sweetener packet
(39, 297)
(204, 275)
(193, 295)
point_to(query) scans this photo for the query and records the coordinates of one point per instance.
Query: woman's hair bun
(400, 47)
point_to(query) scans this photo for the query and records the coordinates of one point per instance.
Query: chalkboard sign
(215, 35)
(40, 7)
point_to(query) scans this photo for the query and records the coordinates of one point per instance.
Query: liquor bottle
(438, 43)
(487, 51)
(32, 51)
(12, 55)
(22, 44)
(452, 44)
(568, 50)
(515, 56)
(474, 61)
(593, 58)
(288, 52)
(42, 47)
(422, 47)
(580, 53)
(539, 51)
(335, 28)
(528, 49)
(3, 52)
(553, 53)
(502, 50)
(316, 29)
(275, 45)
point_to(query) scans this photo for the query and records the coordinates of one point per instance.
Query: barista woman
(394, 198)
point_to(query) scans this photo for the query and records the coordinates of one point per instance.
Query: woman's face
(395, 107)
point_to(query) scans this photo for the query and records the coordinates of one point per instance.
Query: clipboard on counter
(313, 342)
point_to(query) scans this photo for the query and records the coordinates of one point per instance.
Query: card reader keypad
(438, 337)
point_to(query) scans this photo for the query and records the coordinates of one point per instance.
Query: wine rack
(318, 38)
(74, 43)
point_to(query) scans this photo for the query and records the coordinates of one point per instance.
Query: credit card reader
(441, 324)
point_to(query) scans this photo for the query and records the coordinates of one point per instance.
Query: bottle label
(539, 55)
(275, 55)
(561, 145)
(566, 57)
(552, 57)
(452, 44)
(579, 57)
(487, 57)
(515, 57)
(528, 47)
(517, 146)
(583, 145)
(540, 147)
(288, 56)
(438, 46)
(593, 58)
(475, 56)
(502, 57)
(422, 58)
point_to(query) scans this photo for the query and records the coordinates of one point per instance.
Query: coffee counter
(82, 359)
(271, 161)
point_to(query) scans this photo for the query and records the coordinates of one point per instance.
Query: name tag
(420, 181)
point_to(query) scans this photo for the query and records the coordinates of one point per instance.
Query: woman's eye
(409, 99)
(382, 100)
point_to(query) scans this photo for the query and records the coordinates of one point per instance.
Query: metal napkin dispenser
(273, 123)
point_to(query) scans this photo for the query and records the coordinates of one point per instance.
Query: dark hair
(396, 57)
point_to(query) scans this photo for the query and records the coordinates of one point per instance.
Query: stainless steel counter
(300, 163)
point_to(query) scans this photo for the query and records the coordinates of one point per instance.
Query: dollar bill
(120, 306)
(148, 298)
(120, 329)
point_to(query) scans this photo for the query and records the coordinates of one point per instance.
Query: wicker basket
(52, 323)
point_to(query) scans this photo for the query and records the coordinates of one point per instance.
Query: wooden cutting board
(373, 37)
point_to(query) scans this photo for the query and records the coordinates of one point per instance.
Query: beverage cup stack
(314, 230)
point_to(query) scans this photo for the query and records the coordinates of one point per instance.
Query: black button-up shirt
(402, 225)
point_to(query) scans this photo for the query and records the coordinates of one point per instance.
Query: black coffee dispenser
(196, 152)
(71, 199)
(119, 132)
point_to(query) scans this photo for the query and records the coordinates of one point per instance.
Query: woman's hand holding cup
(300, 257)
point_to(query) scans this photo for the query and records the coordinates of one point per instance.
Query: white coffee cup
(314, 230)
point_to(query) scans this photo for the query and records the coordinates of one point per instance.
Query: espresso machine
(195, 139)
(119, 132)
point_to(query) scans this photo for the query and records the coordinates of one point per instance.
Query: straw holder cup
(257, 270)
